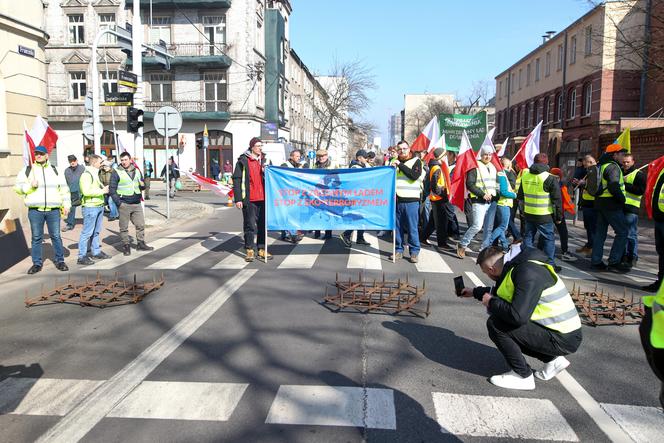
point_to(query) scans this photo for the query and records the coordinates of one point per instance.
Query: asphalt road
(228, 352)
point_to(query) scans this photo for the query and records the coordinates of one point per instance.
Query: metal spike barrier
(597, 309)
(386, 296)
(99, 292)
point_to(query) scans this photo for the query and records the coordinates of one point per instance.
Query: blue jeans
(615, 219)
(426, 211)
(548, 238)
(487, 227)
(478, 211)
(499, 232)
(113, 209)
(516, 232)
(71, 218)
(406, 222)
(92, 218)
(632, 235)
(52, 220)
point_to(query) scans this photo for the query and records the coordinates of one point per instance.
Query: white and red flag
(210, 184)
(503, 148)
(43, 135)
(465, 161)
(428, 138)
(28, 147)
(525, 156)
(440, 143)
(487, 146)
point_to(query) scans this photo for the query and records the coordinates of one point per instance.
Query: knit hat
(614, 148)
(41, 149)
(438, 153)
(556, 171)
(253, 141)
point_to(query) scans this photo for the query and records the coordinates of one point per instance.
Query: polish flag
(28, 147)
(488, 144)
(428, 137)
(44, 133)
(210, 184)
(654, 169)
(503, 148)
(465, 162)
(529, 149)
(440, 143)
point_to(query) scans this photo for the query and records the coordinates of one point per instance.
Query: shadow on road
(15, 383)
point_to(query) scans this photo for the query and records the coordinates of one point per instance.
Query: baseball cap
(41, 149)
(615, 148)
(438, 153)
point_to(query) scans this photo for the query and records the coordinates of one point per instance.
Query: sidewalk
(183, 207)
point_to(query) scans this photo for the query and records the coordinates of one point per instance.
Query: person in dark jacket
(292, 162)
(587, 207)
(215, 169)
(438, 196)
(539, 196)
(72, 176)
(658, 217)
(530, 312)
(173, 175)
(635, 187)
(511, 178)
(249, 195)
(609, 206)
(361, 161)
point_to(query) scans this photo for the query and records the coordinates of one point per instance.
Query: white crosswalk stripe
(642, 423)
(475, 279)
(366, 257)
(304, 255)
(121, 259)
(43, 396)
(186, 255)
(432, 261)
(236, 259)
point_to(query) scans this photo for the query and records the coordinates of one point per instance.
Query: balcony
(193, 110)
(187, 54)
(183, 3)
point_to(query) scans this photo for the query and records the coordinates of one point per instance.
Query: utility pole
(137, 67)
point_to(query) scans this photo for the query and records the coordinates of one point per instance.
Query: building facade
(579, 82)
(394, 128)
(419, 108)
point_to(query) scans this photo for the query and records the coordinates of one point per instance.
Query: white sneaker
(512, 380)
(552, 368)
(568, 257)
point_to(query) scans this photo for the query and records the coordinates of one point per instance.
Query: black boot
(126, 250)
(141, 246)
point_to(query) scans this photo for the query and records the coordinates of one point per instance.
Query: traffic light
(199, 143)
(133, 124)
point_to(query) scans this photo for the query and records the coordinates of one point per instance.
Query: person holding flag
(654, 200)
(409, 187)
(635, 186)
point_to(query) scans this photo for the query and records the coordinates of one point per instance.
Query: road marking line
(475, 279)
(501, 417)
(592, 408)
(304, 255)
(432, 261)
(639, 279)
(643, 423)
(119, 259)
(236, 259)
(186, 255)
(333, 406)
(172, 400)
(365, 257)
(85, 416)
(43, 396)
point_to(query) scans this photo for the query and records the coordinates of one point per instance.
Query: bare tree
(345, 97)
(479, 98)
(416, 121)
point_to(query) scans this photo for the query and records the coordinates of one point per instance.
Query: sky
(424, 46)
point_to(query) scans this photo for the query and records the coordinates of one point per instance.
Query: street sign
(311, 155)
(128, 79)
(167, 121)
(88, 130)
(119, 99)
(269, 131)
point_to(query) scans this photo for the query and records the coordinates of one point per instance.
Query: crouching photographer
(531, 312)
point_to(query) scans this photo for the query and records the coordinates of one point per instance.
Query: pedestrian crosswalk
(468, 415)
(224, 251)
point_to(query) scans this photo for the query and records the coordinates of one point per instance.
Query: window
(214, 28)
(587, 98)
(76, 29)
(107, 21)
(513, 87)
(77, 85)
(559, 109)
(260, 36)
(260, 90)
(518, 118)
(161, 88)
(109, 82)
(537, 69)
(561, 58)
(547, 64)
(546, 109)
(500, 89)
(531, 114)
(215, 91)
(572, 50)
(161, 29)
(528, 69)
(572, 103)
(520, 78)
(538, 112)
(589, 41)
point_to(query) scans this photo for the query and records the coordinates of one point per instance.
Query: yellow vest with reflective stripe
(127, 186)
(555, 308)
(91, 195)
(656, 303)
(536, 200)
(585, 195)
(505, 201)
(439, 183)
(486, 179)
(407, 188)
(605, 189)
(632, 199)
(659, 198)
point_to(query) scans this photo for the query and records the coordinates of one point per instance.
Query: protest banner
(339, 199)
(453, 125)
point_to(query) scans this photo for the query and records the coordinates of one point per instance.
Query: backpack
(594, 181)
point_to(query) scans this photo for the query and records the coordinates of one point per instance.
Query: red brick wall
(647, 144)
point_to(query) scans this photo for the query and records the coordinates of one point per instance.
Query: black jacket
(242, 169)
(552, 187)
(113, 187)
(471, 185)
(173, 173)
(615, 202)
(413, 173)
(529, 281)
(638, 187)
